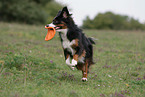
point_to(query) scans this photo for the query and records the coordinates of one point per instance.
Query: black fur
(73, 32)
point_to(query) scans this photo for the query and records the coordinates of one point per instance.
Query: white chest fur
(66, 43)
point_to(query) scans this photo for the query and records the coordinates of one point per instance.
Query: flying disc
(50, 34)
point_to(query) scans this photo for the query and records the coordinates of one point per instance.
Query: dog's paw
(84, 79)
(74, 63)
(72, 68)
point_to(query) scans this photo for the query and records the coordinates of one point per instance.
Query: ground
(33, 67)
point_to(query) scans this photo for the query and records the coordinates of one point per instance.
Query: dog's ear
(65, 12)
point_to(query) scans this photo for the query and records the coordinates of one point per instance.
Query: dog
(78, 49)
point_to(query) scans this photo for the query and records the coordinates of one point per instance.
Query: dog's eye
(55, 21)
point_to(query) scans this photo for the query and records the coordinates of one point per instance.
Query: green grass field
(33, 67)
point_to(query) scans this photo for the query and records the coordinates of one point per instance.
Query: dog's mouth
(58, 27)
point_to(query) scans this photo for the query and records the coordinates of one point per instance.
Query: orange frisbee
(50, 34)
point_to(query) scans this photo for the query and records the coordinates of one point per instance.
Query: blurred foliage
(52, 9)
(28, 11)
(112, 21)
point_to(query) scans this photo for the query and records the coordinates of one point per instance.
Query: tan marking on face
(62, 25)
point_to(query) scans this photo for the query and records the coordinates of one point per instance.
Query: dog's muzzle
(50, 25)
(54, 26)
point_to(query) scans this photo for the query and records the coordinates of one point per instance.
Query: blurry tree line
(28, 11)
(43, 11)
(109, 20)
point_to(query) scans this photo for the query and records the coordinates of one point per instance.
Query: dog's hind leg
(85, 71)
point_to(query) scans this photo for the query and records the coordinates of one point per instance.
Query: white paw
(84, 79)
(71, 65)
(68, 61)
(74, 62)
(72, 68)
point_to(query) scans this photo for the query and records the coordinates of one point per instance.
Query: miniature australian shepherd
(78, 49)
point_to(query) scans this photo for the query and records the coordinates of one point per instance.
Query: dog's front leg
(68, 62)
(74, 60)
(74, 45)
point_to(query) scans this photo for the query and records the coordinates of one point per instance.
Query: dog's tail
(92, 40)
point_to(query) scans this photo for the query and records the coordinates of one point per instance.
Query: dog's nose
(47, 25)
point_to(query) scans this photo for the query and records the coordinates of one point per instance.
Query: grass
(32, 67)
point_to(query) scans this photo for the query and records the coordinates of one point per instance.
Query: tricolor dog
(78, 49)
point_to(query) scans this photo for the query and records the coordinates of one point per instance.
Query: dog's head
(62, 20)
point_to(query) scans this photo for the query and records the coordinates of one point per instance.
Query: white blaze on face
(52, 25)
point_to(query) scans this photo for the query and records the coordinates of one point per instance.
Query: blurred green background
(43, 11)
(28, 11)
